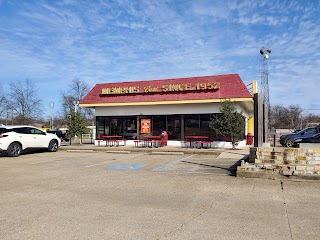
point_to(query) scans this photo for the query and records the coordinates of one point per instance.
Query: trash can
(164, 138)
(249, 139)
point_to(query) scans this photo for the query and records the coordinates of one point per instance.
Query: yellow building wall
(251, 125)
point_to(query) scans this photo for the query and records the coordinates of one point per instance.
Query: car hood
(291, 135)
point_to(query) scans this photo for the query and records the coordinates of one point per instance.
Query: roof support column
(138, 126)
(182, 126)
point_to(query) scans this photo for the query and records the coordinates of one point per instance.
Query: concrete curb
(122, 152)
(167, 153)
(164, 150)
(79, 150)
(276, 176)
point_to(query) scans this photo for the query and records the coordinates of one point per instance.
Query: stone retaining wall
(283, 161)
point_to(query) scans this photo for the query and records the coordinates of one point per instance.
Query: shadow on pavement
(231, 169)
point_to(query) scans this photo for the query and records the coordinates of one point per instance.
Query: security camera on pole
(265, 73)
(265, 52)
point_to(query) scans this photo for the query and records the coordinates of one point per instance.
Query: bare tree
(296, 117)
(24, 102)
(312, 119)
(76, 92)
(291, 117)
(3, 103)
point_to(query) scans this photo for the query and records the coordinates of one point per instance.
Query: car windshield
(306, 130)
(3, 130)
(301, 131)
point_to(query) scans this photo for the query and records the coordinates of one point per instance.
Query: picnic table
(114, 140)
(152, 141)
(197, 141)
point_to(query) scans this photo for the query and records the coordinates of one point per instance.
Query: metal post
(258, 120)
(182, 126)
(138, 126)
(265, 122)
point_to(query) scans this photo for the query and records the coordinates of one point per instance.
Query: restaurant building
(181, 107)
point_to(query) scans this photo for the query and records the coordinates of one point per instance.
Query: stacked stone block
(283, 161)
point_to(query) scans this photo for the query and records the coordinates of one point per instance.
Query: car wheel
(14, 150)
(53, 146)
(289, 143)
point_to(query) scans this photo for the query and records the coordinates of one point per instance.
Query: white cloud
(132, 40)
(130, 25)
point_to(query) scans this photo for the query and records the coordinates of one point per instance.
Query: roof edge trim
(164, 102)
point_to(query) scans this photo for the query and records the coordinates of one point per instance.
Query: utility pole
(51, 115)
(7, 118)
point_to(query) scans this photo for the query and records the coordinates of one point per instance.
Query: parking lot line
(172, 163)
(46, 162)
(98, 164)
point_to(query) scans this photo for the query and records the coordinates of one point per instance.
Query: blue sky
(53, 42)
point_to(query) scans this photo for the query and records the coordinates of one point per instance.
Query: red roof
(193, 88)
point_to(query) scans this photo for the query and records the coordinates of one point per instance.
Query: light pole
(265, 91)
(76, 105)
(51, 115)
(264, 74)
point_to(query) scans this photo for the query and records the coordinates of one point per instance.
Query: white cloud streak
(103, 41)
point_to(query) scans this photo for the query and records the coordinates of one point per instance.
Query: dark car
(313, 139)
(60, 134)
(287, 140)
(130, 134)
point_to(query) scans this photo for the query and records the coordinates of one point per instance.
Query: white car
(15, 139)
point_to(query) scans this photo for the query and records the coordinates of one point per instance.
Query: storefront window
(205, 120)
(130, 128)
(159, 124)
(192, 125)
(174, 127)
(102, 127)
(198, 125)
(115, 125)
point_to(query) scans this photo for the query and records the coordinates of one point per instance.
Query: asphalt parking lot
(99, 195)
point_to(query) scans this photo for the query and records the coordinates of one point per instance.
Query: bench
(138, 143)
(185, 144)
(99, 142)
(120, 142)
(206, 144)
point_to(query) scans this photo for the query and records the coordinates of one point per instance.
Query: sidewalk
(223, 153)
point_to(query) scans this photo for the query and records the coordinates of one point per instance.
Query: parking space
(98, 195)
(195, 164)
